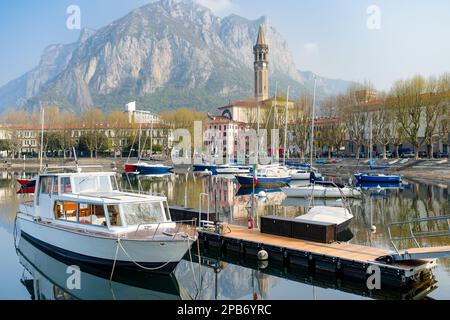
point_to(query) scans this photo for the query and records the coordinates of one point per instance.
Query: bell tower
(261, 52)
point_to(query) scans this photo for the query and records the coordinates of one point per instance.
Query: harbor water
(28, 273)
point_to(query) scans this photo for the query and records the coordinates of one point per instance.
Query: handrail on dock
(432, 252)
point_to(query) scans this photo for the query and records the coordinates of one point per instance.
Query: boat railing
(148, 193)
(185, 228)
(202, 223)
(414, 235)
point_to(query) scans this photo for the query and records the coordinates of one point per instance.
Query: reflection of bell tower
(261, 51)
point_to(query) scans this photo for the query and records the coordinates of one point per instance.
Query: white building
(139, 116)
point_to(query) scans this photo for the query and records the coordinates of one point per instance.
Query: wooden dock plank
(338, 250)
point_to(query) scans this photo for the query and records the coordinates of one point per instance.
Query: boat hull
(153, 170)
(163, 256)
(263, 182)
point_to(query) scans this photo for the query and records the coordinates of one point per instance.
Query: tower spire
(261, 36)
(261, 65)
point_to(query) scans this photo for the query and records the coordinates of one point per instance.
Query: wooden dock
(344, 259)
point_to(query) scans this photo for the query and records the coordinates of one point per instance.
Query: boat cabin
(93, 200)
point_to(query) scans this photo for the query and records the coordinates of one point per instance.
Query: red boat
(130, 168)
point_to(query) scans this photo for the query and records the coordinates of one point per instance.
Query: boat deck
(338, 250)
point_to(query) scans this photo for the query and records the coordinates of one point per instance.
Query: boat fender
(250, 223)
(263, 255)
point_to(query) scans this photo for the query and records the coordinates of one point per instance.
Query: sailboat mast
(286, 127)
(139, 147)
(312, 122)
(274, 119)
(151, 140)
(42, 138)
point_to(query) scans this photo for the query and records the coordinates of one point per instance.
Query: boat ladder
(420, 252)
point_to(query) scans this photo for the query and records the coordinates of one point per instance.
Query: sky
(380, 41)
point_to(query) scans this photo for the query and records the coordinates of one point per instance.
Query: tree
(436, 106)
(407, 97)
(95, 139)
(301, 126)
(354, 113)
(384, 127)
(120, 131)
(93, 142)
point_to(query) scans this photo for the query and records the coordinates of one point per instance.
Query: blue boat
(377, 178)
(298, 165)
(204, 167)
(148, 169)
(268, 177)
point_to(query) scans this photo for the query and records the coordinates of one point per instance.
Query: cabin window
(46, 185)
(66, 211)
(114, 216)
(55, 185)
(92, 184)
(114, 185)
(91, 214)
(140, 213)
(66, 186)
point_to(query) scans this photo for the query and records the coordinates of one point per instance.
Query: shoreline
(425, 171)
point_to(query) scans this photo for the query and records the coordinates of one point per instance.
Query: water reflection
(48, 278)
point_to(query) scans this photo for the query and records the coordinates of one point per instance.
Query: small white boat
(84, 217)
(335, 215)
(319, 191)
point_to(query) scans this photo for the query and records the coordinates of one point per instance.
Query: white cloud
(219, 7)
(311, 48)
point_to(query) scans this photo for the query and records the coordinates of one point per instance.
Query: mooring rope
(119, 245)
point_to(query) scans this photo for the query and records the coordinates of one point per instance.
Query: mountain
(165, 55)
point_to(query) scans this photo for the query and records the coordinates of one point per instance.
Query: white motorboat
(319, 191)
(84, 216)
(335, 215)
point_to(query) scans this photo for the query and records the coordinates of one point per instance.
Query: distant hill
(165, 55)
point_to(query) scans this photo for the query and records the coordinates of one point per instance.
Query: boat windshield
(84, 184)
(146, 212)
